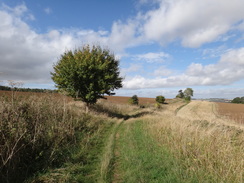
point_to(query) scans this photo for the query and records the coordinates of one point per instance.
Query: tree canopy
(238, 100)
(180, 94)
(87, 73)
(187, 94)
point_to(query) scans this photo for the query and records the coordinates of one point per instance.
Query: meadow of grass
(49, 138)
(181, 142)
(140, 158)
(209, 148)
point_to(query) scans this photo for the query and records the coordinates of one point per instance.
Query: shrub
(160, 99)
(134, 100)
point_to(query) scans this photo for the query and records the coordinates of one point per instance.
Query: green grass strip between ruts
(141, 159)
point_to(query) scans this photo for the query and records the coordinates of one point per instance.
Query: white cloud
(228, 70)
(48, 10)
(234, 57)
(28, 56)
(131, 69)
(195, 22)
(152, 57)
(162, 71)
(124, 35)
(18, 10)
(214, 52)
(241, 26)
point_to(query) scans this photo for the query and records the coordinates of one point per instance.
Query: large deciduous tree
(87, 73)
(180, 94)
(188, 93)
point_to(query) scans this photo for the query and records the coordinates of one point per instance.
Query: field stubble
(232, 111)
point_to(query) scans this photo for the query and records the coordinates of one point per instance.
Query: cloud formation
(28, 56)
(151, 57)
(48, 10)
(194, 22)
(229, 69)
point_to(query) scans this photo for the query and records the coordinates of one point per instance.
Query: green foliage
(187, 94)
(160, 99)
(87, 73)
(188, 99)
(7, 88)
(180, 94)
(238, 100)
(158, 105)
(134, 100)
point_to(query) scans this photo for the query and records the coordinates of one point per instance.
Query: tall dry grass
(208, 148)
(35, 132)
(114, 110)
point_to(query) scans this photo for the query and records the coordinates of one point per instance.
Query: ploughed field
(124, 100)
(232, 111)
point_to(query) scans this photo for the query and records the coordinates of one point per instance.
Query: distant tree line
(7, 88)
(238, 100)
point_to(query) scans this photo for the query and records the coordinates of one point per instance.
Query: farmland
(232, 111)
(118, 142)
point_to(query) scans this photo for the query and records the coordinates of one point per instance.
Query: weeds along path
(162, 146)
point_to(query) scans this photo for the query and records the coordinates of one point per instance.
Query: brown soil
(232, 111)
(124, 100)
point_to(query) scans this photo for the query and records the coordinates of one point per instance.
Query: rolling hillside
(118, 142)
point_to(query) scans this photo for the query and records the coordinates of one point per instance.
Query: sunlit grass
(207, 149)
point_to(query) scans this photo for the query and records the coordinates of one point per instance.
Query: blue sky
(163, 45)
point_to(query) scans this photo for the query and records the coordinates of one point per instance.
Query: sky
(163, 45)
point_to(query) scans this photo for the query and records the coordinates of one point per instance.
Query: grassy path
(140, 159)
(168, 147)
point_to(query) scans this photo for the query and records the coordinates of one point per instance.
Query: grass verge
(207, 152)
(85, 158)
(142, 159)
